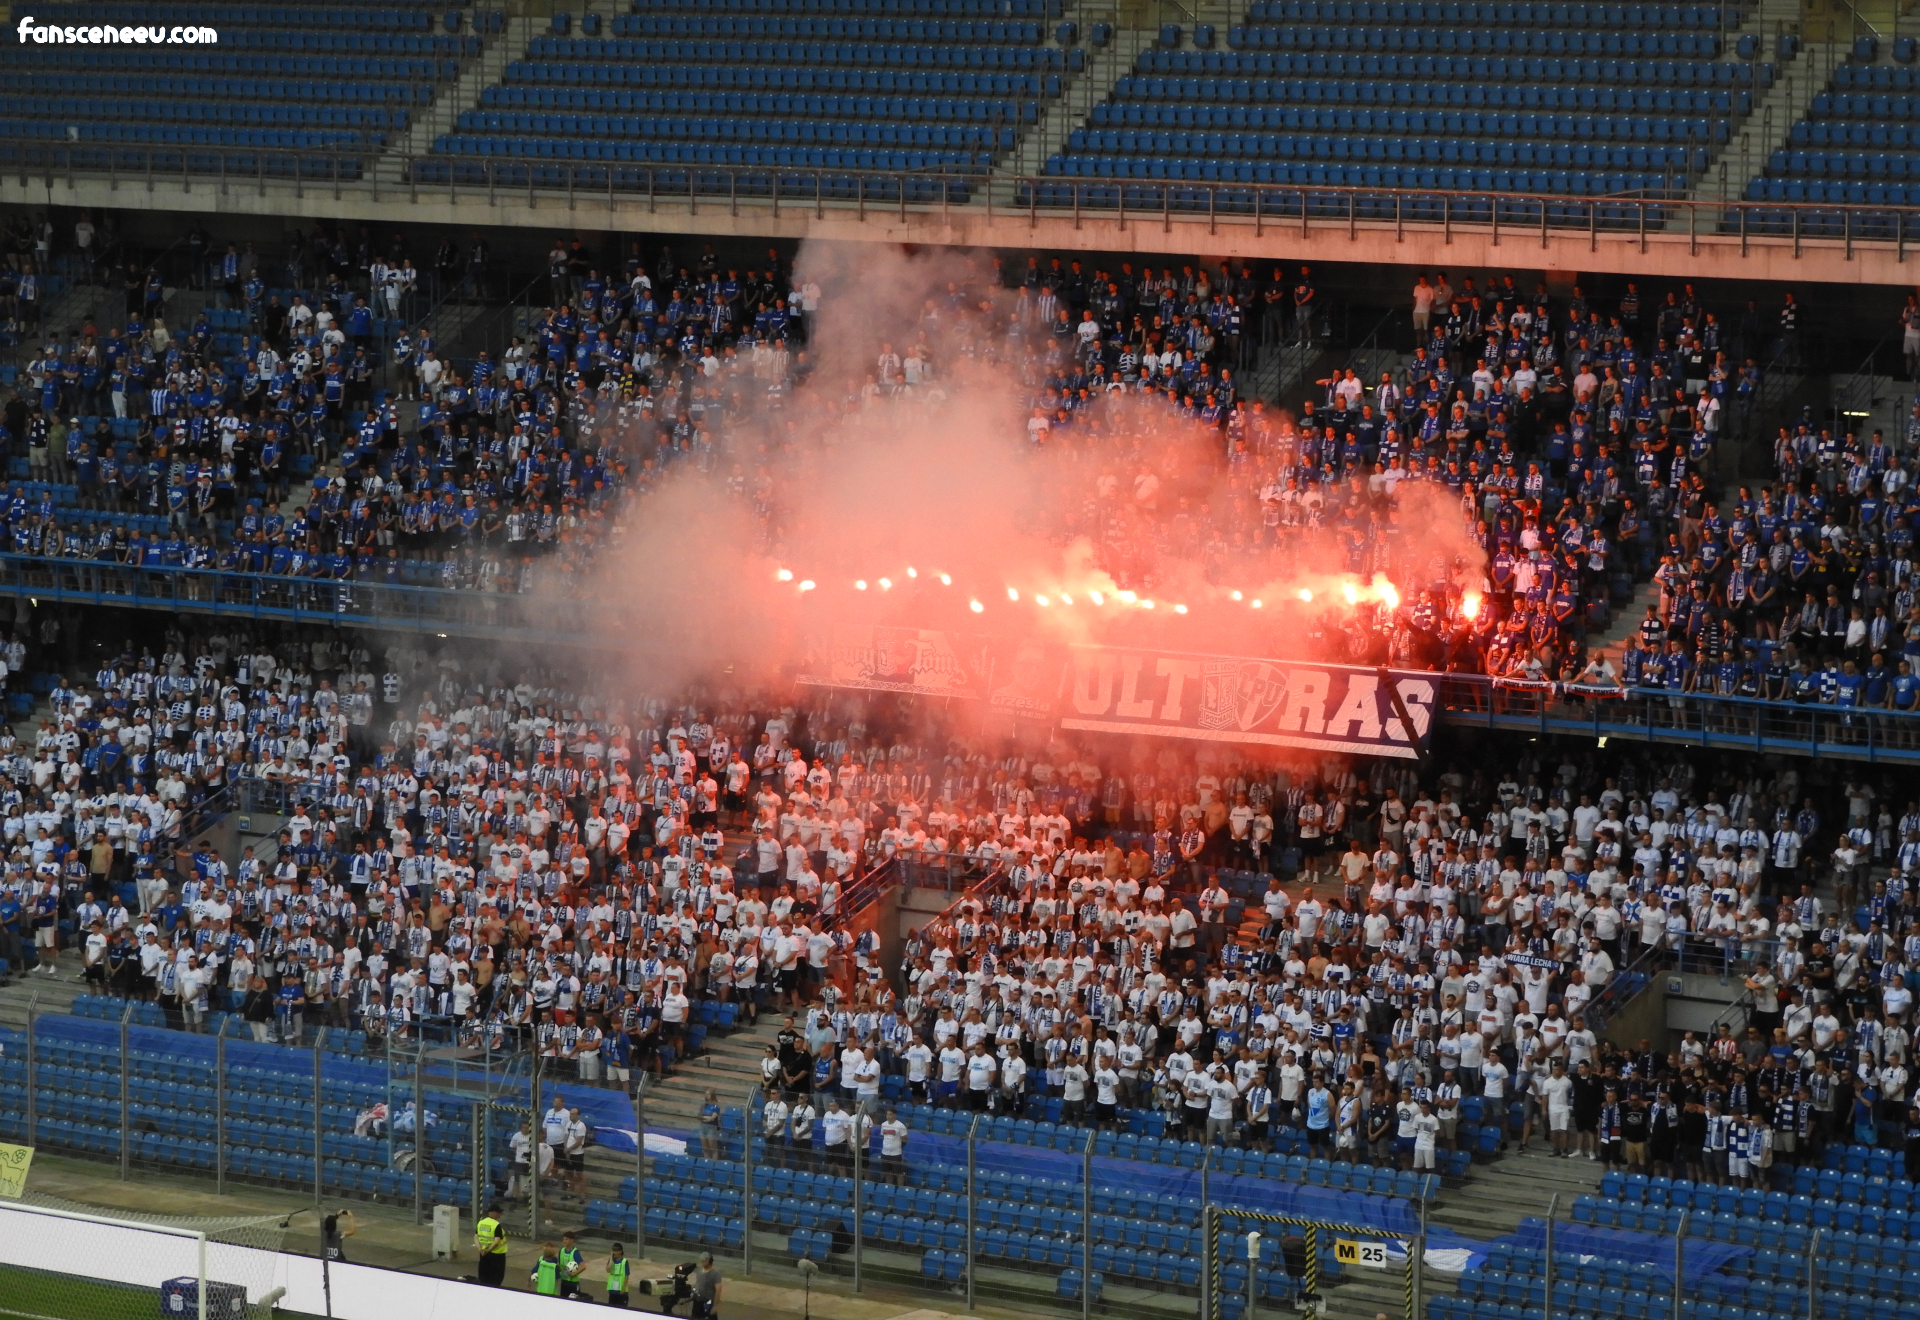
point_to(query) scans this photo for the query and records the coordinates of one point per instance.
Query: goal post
(1306, 1253)
(61, 1264)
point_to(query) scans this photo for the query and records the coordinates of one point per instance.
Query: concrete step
(106, 308)
(1765, 128)
(1497, 1196)
(1079, 93)
(1284, 368)
(1875, 403)
(37, 992)
(729, 1066)
(1626, 622)
(483, 71)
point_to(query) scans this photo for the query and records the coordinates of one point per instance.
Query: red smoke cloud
(933, 509)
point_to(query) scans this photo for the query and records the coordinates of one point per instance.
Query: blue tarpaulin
(1652, 1251)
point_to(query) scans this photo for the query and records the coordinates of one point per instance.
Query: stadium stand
(647, 876)
(313, 88)
(1600, 425)
(1586, 100)
(946, 87)
(279, 1122)
(1857, 146)
(269, 1095)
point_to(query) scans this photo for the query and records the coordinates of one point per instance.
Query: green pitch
(40, 1295)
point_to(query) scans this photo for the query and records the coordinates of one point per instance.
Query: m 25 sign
(1365, 1255)
(1332, 708)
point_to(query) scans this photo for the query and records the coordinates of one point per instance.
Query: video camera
(669, 1291)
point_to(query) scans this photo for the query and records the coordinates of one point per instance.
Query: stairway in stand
(1612, 644)
(729, 1065)
(1498, 1196)
(1516, 1186)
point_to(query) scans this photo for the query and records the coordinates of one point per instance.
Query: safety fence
(1471, 700)
(320, 1110)
(1034, 1206)
(1699, 719)
(1401, 197)
(1776, 1231)
(342, 602)
(989, 1203)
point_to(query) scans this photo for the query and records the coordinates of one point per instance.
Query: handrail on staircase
(988, 885)
(494, 327)
(1613, 995)
(1744, 1002)
(1363, 359)
(1778, 379)
(1291, 359)
(1853, 393)
(865, 891)
(1861, 26)
(29, 343)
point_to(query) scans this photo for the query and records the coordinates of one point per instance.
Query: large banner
(1168, 694)
(919, 660)
(1172, 694)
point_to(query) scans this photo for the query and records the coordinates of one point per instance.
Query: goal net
(62, 1260)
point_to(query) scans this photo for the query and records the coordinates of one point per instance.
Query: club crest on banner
(1240, 694)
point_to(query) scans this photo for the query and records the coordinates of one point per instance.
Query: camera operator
(697, 1284)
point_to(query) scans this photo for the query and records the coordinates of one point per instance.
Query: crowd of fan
(1568, 441)
(501, 861)
(1578, 442)
(1803, 591)
(485, 467)
(1578, 445)
(1451, 949)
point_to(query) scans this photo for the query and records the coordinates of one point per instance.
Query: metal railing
(1734, 1016)
(205, 810)
(1621, 988)
(971, 1182)
(1374, 349)
(1696, 719)
(1726, 957)
(300, 600)
(1244, 193)
(1289, 361)
(951, 872)
(1088, 88)
(1283, 357)
(229, 1109)
(93, 282)
(1653, 715)
(233, 1104)
(1855, 392)
(328, 1112)
(1718, 954)
(1780, 376)
(495, 328)
(975, 895)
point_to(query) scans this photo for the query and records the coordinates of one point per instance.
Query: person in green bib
(617, 1266)
(572, 1266)
(547, 1271)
